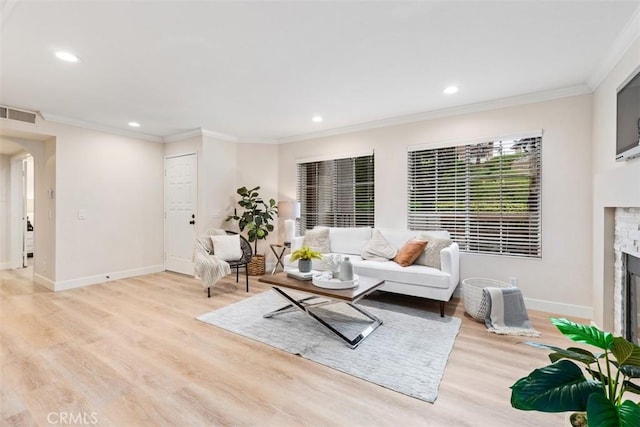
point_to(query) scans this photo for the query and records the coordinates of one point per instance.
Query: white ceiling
(261, 70)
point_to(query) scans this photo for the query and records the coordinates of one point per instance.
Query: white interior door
(180, 212)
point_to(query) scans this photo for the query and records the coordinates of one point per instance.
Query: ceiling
(259, 71)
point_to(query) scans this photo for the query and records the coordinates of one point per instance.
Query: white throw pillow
(431, 255)
(378, 249)
(227, 247)
(317, 239)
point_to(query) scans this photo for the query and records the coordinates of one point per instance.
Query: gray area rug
(407, 353)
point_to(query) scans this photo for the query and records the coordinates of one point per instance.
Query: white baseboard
(107, 277)
(5, 265)
(559, 308)
(550, 306)
(47, 283)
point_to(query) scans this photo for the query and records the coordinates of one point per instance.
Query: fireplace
(626, 284)
(631, 297)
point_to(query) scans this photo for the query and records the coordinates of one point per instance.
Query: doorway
(22, 210)
(180, 206)
(28, 209)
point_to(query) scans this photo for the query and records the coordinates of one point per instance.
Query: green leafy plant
(562, 386)
(257, 215)
(305, 253)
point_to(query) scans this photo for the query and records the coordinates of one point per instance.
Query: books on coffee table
(296, 274)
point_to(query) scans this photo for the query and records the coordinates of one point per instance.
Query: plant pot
(576, 419)
(304, 265)
(256, 265)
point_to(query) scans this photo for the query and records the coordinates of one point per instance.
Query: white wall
(258, 166)
(220, 163)
(5, 181)
(118, 183)
(614, 183)
(560, 281)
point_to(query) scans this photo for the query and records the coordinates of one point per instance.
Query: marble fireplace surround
(626, 241)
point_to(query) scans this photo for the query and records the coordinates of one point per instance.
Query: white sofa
(416, 280)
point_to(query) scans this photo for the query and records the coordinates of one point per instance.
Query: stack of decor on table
(418, 263)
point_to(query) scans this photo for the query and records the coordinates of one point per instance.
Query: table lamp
(289, 211)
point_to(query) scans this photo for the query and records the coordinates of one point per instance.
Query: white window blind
(487, 195)
(336, 193)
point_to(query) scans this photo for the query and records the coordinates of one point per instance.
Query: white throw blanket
(208, 267)
(507, 314)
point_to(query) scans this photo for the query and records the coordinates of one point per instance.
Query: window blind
(336, 193)
(487, 195)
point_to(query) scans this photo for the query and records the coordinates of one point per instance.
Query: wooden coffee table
(366, 285)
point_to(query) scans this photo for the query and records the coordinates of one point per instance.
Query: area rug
(407, 353)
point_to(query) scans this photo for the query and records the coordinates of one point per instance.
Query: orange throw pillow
(410, 252)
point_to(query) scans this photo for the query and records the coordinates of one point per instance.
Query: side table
(278, 250)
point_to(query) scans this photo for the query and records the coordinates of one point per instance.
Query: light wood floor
(130, 352)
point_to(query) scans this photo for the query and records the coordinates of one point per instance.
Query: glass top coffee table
(323, 297)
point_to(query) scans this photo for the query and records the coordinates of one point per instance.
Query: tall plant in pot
(256, 219)
(562, 385)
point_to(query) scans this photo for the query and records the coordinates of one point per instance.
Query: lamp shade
(289, 209)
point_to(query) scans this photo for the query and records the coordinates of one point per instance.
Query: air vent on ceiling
(22, 116)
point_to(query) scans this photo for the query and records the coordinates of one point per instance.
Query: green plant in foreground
(562, 386)
(305, 253)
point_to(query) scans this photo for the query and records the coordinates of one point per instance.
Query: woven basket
(256, 265)
(472, 296)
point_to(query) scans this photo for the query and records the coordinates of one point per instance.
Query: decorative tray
(324, 280)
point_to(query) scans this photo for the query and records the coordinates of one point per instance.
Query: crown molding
(447, 112)
(218, 135)
(198, 132)
(55, 118)
(258, 141)
(629, 34)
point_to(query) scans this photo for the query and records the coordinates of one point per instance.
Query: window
(487, 195)
(337, 193)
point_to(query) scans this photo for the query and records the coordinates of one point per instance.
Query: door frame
(17, 203)
(197, 209)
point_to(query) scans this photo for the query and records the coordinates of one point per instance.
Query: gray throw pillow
(378, 249)
(431, 254)
(317, 239)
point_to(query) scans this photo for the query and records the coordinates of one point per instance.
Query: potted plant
(562, 386)
(304, 255)
(256, 219)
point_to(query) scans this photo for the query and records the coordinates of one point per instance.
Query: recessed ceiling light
(451, 89)
(316, 119)
(66, 56)
(134, 124)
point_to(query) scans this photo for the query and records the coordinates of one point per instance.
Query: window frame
(510, 225)
(334, 192)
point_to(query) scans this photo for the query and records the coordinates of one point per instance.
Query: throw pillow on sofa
(430, 257)
(378, 249)
(410, 251)
(317, 239)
